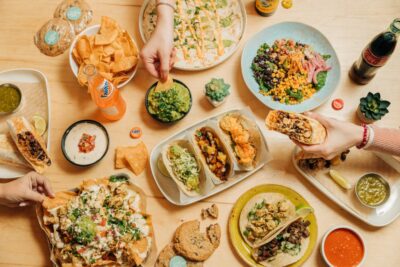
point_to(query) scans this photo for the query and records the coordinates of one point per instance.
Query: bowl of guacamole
(171, 105)
(10, 98)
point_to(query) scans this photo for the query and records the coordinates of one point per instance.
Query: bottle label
(373, 60)
(106, 89)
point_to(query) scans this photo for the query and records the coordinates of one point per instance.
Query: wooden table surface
(349, 25)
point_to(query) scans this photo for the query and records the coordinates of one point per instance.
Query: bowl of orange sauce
(343, 246)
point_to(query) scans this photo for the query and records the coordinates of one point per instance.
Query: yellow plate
(240, 245)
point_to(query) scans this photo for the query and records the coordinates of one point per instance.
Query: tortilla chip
(120, 161)
(137, 158)
(108, 24)
(118, 55)
(60, 199)
(105, 38)
(137, 248)
(125, 64)
(83, 47)
(120, 79)
(107, 75)
(108, 50)
(76, 56)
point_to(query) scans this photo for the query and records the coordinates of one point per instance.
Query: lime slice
(339, 179)
(304, 211)
(40, 124)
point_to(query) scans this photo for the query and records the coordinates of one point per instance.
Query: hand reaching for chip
(158, 54)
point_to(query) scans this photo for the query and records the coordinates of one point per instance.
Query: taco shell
(288, 122)
(9, 154)
(269, 198)
(227, 124)
(215, 179)
(168, 165)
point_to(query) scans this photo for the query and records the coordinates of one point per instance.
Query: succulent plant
(217, 90)
(372, 107)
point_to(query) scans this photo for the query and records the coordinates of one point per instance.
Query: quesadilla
(29, 143)
(298, 127)
(285, 247)
(264, 215)
(9, 153)
(244, 139)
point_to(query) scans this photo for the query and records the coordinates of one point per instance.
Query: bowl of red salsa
(342, 246)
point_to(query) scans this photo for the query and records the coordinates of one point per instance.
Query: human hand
(26, 190)
(158, 54)
(341, 135)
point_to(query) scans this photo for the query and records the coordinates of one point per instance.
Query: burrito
(244, 139)
(263, 216)
(285, 247)
(29, 143)
(9, 154)
(298, 127)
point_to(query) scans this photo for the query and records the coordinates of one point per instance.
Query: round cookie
(76, 12)
(214, 234)
(190, 243)
(168, 253)
(54, 37)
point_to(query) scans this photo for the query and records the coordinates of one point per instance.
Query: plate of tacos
(272, 225)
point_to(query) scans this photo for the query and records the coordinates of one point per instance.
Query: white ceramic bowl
(92, 30)
(342, 227)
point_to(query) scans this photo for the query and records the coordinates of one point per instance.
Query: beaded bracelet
(365, 137)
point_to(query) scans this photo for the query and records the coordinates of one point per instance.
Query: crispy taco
(213, 154)
(286, 246)
(101, 223)
(184, 167)
(244, 139)
(9, 153)
(29, 143)
(298, 127)
(263, 215)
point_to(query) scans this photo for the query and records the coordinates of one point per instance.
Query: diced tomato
(81, 250)
(103, 222)
(337, 104)
(103, 233)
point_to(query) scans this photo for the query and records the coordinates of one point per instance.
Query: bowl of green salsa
(372, 190)
(10, 98)
(170, 105)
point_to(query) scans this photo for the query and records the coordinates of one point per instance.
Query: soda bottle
(375, 54)
(104, 94)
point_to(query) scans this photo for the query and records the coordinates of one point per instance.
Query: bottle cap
(135, 132)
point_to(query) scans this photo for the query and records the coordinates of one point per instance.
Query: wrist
(357, 135)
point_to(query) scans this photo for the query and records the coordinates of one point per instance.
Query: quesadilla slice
(298, 127)
(9, 154)
(286, 246)
(29, 143)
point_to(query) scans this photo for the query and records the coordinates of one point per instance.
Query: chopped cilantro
(118, 178)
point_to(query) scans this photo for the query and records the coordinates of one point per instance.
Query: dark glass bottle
(375, 54)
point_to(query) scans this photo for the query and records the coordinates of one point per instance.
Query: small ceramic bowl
(385, 183)
(93, 30)
(347, 228)
(68, 132)
(20, 101)
(154, 116)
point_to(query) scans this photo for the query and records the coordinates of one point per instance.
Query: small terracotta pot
(362, 117)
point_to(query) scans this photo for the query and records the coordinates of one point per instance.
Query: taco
(29, 143)
(101, 223)
(184, 167)
(286, 246)
(213, 154)
(263, 215)
(244, 139)
(298, 127)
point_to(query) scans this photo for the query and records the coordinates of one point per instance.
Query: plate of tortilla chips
(110, 48)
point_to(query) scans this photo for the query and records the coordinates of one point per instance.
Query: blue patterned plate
(304, 34)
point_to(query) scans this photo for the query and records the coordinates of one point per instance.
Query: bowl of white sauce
(85, 143)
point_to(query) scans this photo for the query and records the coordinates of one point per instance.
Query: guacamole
(170, 105)
(10, 98)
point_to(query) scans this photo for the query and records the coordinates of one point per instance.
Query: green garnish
(217, 89)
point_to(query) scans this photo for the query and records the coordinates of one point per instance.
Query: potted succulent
(372, 108)
(217, 91)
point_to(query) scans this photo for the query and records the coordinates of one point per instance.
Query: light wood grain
(349, 25)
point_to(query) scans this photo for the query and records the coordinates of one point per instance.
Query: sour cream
(73, 136)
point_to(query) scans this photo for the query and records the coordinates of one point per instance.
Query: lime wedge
(304, 211)
(40, 124)
(339, 179)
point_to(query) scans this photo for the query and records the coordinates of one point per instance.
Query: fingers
(25, 203)
(34, 196)
(42, 184)
(322, 119)
(149, 63)
(164, 66)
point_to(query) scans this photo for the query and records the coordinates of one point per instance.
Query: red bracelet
(365, 137)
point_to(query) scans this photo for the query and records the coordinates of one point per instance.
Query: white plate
(220, 60)
(92, 30)
(168, 187)
(25, 76)
(377, 217)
